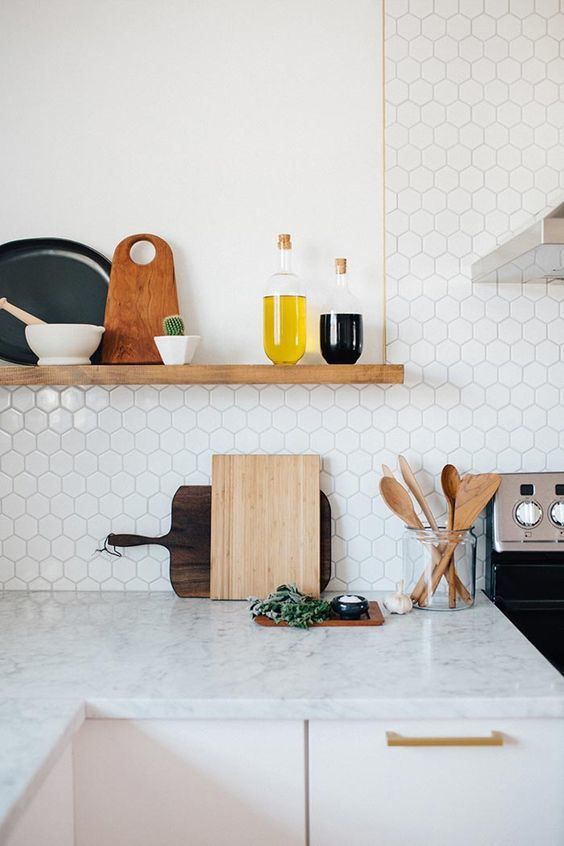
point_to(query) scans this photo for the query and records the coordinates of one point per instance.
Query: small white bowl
(177, 349)
(63, 343)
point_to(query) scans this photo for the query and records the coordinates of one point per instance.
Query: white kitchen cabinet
(202, 782)
(48, 820)
(362, 789)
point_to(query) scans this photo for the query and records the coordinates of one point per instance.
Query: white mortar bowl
(63, 343)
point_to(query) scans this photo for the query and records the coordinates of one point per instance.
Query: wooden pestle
(19, 313)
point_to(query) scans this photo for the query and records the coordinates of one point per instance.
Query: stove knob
(557, 514)
(528, 514)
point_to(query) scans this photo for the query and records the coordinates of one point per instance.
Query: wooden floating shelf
(204, 374)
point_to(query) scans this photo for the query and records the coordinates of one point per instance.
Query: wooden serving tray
(375, 618)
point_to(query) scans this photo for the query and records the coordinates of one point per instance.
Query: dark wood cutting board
(189, 541)
(139, 296)
(375, 618)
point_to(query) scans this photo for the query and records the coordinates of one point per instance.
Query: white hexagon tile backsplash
(475, 149)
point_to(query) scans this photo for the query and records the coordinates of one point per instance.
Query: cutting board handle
(122, 252)
(133, 540)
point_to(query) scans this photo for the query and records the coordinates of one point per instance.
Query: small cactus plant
(173, 325)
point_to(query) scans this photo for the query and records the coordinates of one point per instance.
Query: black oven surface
(525, 561)
(542, 624)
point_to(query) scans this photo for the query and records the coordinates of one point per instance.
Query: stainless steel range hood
(535, 255)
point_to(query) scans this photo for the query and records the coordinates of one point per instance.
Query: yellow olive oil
(284, 327)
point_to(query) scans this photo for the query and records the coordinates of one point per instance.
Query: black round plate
(57, 280)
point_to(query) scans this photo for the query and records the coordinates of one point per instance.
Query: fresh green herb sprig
(288, 604)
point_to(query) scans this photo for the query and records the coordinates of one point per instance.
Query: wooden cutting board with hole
(264, 524)
(139, 296)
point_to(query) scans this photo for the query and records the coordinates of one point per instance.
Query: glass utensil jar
(427, 552)
(284, 311)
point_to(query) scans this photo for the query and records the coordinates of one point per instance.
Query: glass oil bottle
(284, 311)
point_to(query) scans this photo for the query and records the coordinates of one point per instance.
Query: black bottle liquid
(341, 337)
(340, 325)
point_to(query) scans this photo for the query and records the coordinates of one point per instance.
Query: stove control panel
(528, 512)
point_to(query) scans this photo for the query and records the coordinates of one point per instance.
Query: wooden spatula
(473, 495)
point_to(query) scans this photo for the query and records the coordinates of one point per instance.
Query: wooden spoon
(399, 501)
(474, 493)
(450, 483)
(387, 471)
(22, 315)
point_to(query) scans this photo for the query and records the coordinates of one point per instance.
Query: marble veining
(67, 656)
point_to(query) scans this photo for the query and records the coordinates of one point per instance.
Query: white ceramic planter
(177, 349)
(63, 343)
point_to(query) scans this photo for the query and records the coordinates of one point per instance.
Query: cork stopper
(341, 265)
(284, 242)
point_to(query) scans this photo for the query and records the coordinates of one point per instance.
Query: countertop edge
(519, 707)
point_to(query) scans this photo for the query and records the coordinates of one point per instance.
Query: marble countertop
(67, 656)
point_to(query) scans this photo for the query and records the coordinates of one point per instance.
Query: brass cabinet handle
(395, 739)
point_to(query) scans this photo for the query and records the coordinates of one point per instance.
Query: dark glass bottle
(340, 324)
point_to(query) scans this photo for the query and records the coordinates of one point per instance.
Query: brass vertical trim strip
(307, 783)
(384, 127)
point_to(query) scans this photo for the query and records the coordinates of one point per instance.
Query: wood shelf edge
(203, 374)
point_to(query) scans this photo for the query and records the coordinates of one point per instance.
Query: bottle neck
(341, 280)
(285, 261)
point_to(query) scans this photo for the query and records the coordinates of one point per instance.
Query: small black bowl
(350, 610)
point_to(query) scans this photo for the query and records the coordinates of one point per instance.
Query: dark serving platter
(57, 280)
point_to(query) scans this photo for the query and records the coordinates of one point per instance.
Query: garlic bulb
(398, 602)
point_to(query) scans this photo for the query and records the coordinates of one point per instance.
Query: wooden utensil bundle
(466, 498)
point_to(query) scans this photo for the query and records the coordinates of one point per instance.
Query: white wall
(474, 147)
(215, 124)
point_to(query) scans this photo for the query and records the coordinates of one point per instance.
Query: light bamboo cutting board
(264, 524)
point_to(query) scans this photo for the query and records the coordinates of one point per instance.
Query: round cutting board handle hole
(142, 252)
